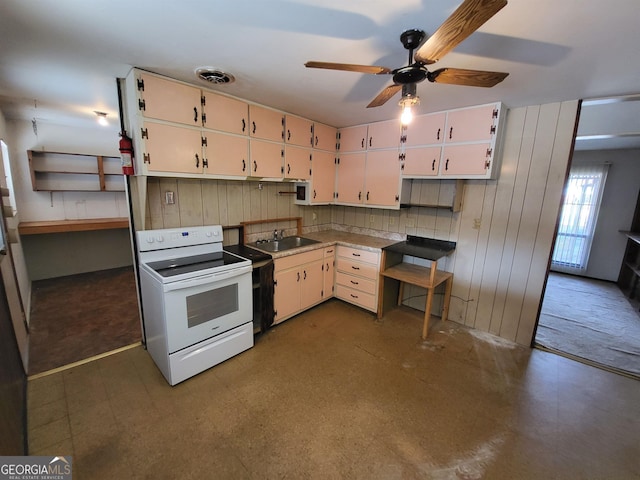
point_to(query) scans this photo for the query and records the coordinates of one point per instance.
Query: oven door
(205, 306)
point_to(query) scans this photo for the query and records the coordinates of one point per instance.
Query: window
(583, 194)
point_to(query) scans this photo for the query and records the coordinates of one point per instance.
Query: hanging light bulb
(408, 100)
(102, 118)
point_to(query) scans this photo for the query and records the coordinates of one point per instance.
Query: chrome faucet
(275, 235)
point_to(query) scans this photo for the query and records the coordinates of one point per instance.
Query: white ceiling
(59, 58)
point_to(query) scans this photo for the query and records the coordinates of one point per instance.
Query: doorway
(584, 313)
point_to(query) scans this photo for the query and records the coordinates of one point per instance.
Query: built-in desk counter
(394, 274)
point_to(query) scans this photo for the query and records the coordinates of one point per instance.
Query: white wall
(616, 212)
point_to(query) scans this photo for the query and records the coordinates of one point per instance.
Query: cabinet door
(266, 124)
(382, 178)
(298, 131)
(421, 162)
(311, 284)
(266, 159)
(286, 297)
(426, 130)
(350, 178)
(297, 162)
(465, 160)
(384, 134)
(169, 100)
(225, 113)
(323, 177)
(324, 137)
(227, 154)
(352, 139)
(328, 271)
(173, 149)
(473, 124)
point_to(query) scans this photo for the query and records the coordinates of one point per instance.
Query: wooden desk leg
(427, 313)
(447, 298)
(400, 292)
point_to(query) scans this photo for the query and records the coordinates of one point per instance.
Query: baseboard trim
(82, 362)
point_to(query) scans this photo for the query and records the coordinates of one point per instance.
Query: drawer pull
(355, 254)
(353, 296)
(355, 283)
(355, 268)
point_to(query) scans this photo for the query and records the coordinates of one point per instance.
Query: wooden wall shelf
(61, 226)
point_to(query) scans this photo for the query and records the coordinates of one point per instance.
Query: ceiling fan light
(407, 102)
(407, 115)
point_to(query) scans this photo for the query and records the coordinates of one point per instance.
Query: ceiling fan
(467, 18)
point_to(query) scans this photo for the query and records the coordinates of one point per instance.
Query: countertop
(327, 238)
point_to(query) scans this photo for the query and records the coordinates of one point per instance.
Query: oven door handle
(207, 279)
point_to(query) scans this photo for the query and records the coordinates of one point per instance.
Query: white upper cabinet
(352, 139)
(425, 130)
(225, 114)
(266, 124)
(298, 131)
(384, 135)
(325, 137)
(475, 124)
(168, 100)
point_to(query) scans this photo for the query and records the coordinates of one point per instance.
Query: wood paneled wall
(507, 226)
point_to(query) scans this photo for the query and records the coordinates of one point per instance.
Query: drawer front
(296, 260)
(329, 251)
(356, 283)
(357, 268)
(359, 255)
(356, 297)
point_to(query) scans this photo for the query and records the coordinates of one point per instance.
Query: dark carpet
(79, 316)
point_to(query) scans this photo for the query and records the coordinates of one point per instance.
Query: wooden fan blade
(348, 67)
(467, 18)
(385, 95)
(471, 78)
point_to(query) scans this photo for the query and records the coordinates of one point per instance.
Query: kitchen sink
(286, 243)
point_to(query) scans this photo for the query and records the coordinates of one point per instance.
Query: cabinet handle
(288, 135)
(353, 296)
(355, 283)
(433, 164)
(288, 168)
(305, 274)
(355, 268)
(314, 193)
(370, 139)
(255, 166)
(359, 195)
(363, 143)
(197, 161)
(355, 254)
(253, 124)
(438, 135)
(450, 133)
(367, 196)
(298, 277)
(446, 165)
(327, 267)
(316, 140)
(195, 114)
(244, 125)
(244, 165)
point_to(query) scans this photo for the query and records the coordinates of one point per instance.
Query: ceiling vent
(215, 76)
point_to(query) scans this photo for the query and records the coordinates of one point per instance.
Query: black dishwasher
(262, 283)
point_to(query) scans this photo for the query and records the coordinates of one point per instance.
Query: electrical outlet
(169, 198)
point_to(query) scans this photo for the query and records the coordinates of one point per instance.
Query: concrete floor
(334, 394)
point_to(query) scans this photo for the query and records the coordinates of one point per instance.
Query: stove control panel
(178, 237)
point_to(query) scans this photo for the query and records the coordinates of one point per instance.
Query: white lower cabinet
(298, 283)
(357, 276)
